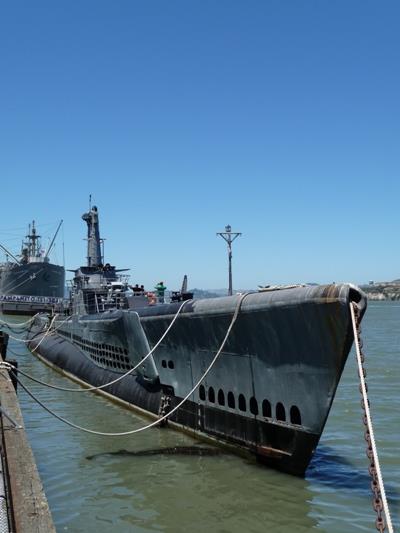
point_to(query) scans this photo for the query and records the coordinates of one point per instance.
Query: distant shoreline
(382, 291)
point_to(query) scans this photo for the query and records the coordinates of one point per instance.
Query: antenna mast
(229, 236)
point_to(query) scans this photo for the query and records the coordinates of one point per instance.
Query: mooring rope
(18, 324)
(89, 389)
(48, 332)
(369, 420)
(159, 420)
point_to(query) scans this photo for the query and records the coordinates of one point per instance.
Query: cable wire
(159, 420)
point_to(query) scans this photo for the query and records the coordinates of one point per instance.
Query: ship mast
(229, 237)
(33, 238)
(94, 257)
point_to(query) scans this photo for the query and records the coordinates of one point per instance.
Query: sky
(280, 118)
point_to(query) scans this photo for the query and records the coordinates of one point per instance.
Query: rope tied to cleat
(379, 501)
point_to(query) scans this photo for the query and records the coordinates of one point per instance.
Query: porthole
(231, 400)
(280, 412)
(221, 397)
(242, 402)
(295, 416)
(164, 363)
(253, 406)
(202, 392)
(171, 364)
(211, 395)
(266, 409)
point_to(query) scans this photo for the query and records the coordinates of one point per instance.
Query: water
(225, 493)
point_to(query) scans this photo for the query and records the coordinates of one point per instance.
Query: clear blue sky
(281, 118)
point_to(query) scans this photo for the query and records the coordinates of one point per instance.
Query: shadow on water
(174, 450)
(332, 470)
(329, 468)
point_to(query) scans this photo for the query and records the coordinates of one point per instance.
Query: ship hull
(31, 288)
(32, 279)
(268, 393)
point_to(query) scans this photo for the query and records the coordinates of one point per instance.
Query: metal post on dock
(3, 344)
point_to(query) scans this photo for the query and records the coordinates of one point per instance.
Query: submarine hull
(268, 393)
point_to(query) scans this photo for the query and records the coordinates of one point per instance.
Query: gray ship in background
(256, 371)
(29, 282)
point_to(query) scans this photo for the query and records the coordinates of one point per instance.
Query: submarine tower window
(211, 395)
(253, 406)
(266, 409)
(280, 412)
(295, 416)
(231, 400)
(202, 392)
(221, 397)
(164, 363)
(171, 364)
(242, 402)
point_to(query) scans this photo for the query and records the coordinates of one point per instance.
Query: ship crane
(47, 253)
(10, 254)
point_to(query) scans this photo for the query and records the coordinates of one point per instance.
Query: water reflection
(199, 494)
(174, 450)
(224, 493)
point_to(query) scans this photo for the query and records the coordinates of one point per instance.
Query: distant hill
(201, 293)
(214, 293)
(382, 290)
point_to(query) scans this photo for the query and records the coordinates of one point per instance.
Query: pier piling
(26, 508)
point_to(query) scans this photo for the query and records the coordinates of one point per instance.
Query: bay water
(90, 488)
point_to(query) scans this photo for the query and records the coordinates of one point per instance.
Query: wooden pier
(27, 507)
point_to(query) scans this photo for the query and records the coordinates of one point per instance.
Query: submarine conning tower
(94, 257)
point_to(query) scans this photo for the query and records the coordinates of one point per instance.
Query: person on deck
(136, 289)
(160, 290)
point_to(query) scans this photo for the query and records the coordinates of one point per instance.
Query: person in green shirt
(160, 290)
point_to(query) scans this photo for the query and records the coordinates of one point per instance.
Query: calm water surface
(223, 493)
